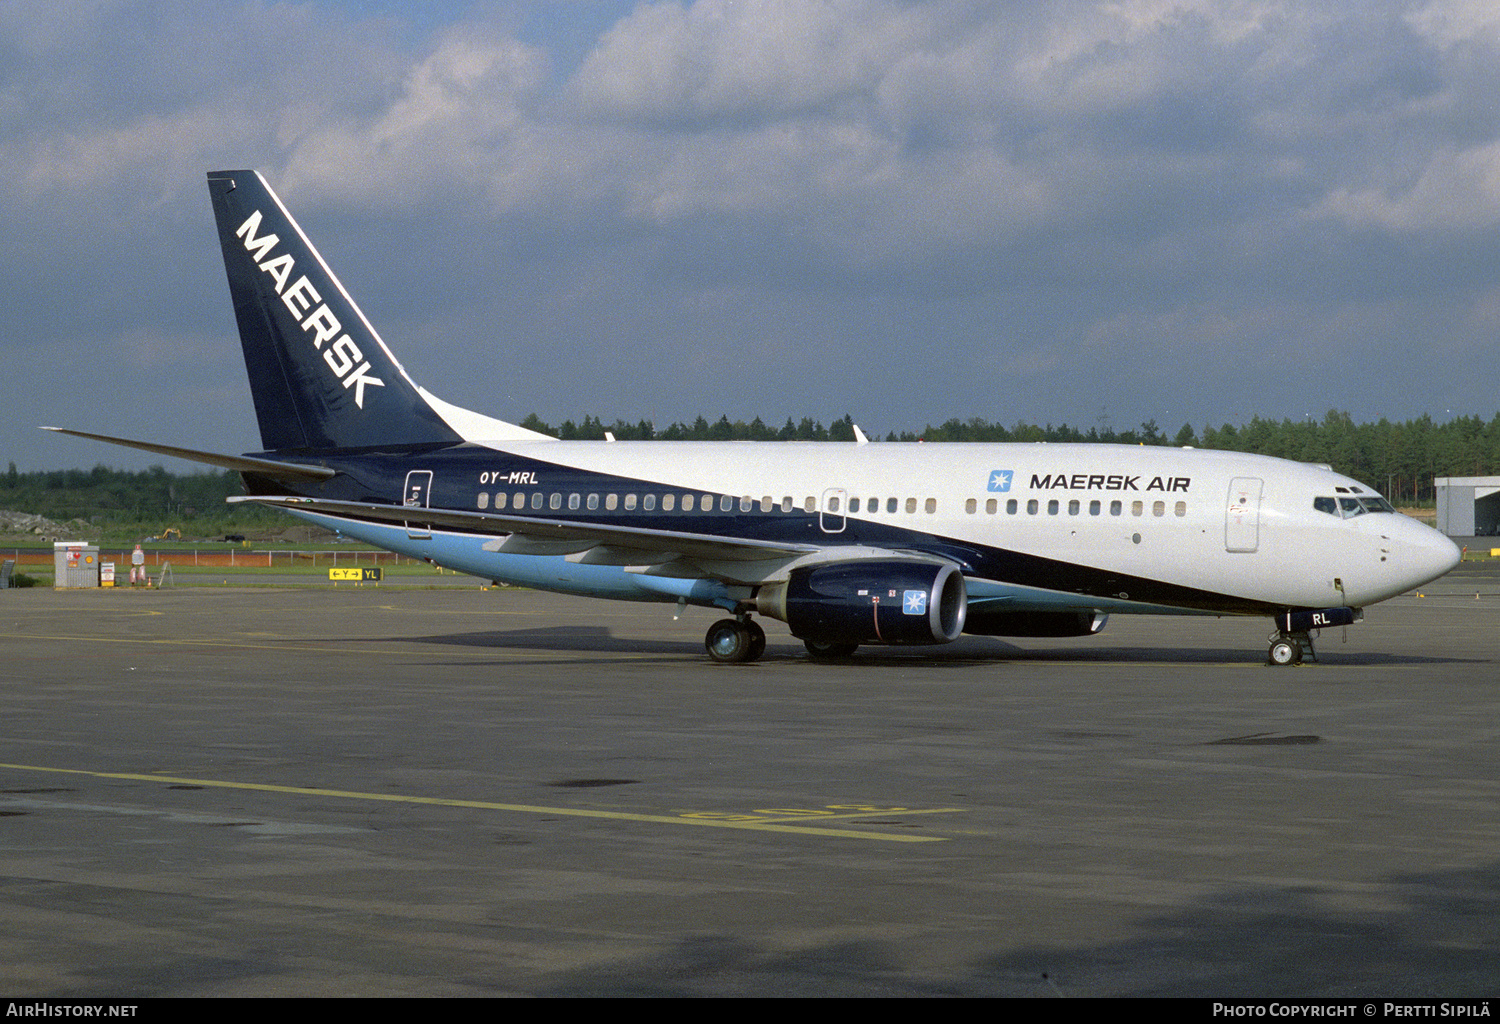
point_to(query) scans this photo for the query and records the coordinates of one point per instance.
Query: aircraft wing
(665, 552)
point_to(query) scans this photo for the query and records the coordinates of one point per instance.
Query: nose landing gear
(1291, 649)
(1292, 641)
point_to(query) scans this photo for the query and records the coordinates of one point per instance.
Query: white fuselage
(1242, 526)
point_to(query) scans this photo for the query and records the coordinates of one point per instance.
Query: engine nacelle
(870, 602)
(985, 622)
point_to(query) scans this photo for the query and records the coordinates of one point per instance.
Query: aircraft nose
(1427, 554)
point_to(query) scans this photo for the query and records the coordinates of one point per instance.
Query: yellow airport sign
(371, 575)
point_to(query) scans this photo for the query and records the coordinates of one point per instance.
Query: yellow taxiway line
(708, 819)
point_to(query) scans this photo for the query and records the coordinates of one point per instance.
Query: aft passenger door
(416, 495)
(1242, 514)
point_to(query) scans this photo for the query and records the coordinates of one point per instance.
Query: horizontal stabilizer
(238, 463)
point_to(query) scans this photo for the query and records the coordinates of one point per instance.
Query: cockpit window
(1348, 508)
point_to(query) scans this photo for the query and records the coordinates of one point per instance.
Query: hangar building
(1468, 506)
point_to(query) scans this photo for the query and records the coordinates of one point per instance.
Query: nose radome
(1427, 554)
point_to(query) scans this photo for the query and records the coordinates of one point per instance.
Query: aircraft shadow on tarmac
(1245, 941)
(565, 639)
(966, 651)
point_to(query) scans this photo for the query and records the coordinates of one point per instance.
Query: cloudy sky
(1089, 213)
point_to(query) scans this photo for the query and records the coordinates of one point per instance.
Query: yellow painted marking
(764, 817)
(754, 825)
(826, 815)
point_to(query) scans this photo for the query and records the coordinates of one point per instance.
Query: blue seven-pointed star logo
(1000, 480)
(915, 603)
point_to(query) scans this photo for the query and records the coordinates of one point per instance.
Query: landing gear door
(416, 495)
(1242, 514)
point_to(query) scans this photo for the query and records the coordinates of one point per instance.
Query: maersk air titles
(1111, 482)
(848, 543)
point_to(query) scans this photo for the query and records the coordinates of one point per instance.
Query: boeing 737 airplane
(847, 543)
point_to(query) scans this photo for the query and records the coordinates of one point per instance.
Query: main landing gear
(829, 650)
(735, 640)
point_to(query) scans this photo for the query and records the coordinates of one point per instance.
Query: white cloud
(464, 113)
(1457, 190)
(1452, 22)
(722, 59)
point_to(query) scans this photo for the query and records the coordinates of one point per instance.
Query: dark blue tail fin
(320, 375)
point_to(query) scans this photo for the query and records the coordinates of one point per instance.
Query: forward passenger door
(1242, 514)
